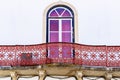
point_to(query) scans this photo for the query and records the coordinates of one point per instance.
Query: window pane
(53, 14)
(54, 37)
(66, 25)
(66, 14)
(66, 37)
(54, 25)
(60, 10)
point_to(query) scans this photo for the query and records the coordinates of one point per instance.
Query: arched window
(60, 24)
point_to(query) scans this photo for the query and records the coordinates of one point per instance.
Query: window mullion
(60, 30)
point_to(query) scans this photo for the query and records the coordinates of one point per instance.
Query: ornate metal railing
(64, 53)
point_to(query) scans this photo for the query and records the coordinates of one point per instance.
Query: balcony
(60, 53)
(61, 59)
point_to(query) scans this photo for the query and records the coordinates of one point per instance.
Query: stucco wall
(21, 21)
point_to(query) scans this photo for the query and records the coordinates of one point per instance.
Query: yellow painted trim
(75, 19)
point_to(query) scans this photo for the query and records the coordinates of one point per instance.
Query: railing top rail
(61, 43)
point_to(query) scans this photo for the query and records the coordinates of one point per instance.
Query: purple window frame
(57, 18)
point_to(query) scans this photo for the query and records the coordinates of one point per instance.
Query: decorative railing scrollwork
(64, 53)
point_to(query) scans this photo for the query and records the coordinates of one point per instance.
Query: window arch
(60, 24)
(60, 11)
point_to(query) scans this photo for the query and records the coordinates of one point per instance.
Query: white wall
(99, 22)
(29, 78)
(60, 78)
(5, 78)
(21, 21)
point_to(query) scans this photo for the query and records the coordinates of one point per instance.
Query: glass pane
(54, 37)
(66, 14)
(60, 10)
(66, 25)
(66, 37)
(54, 25)
(53, 14)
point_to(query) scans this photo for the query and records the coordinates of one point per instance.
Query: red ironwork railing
(65, 53)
